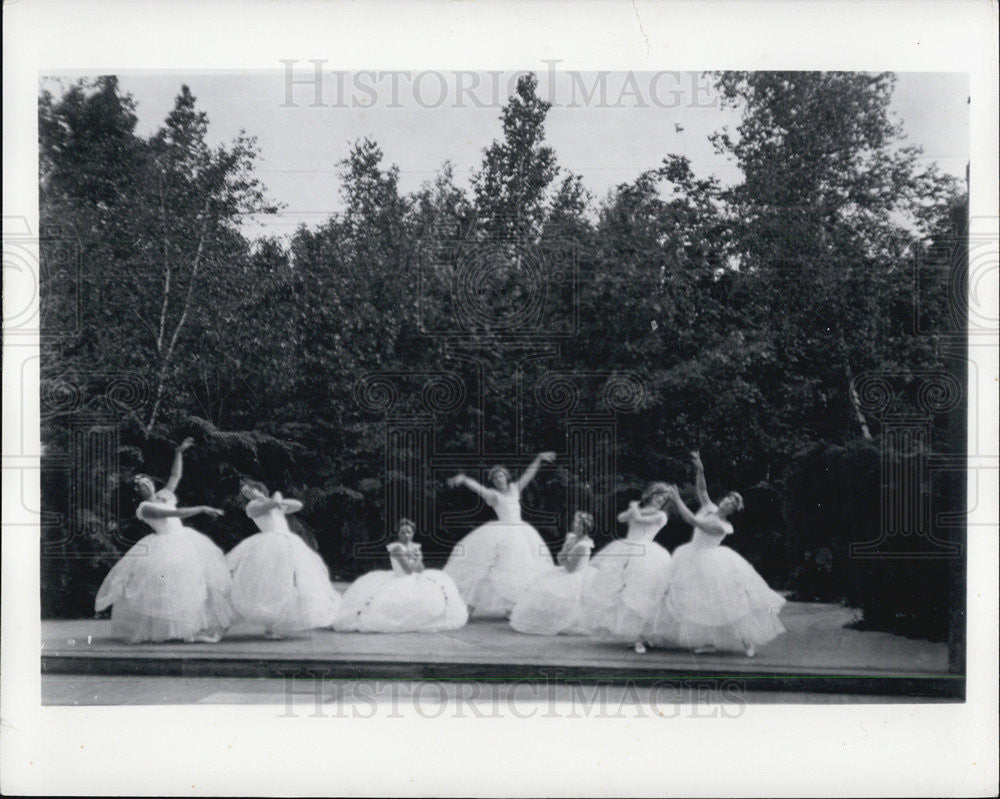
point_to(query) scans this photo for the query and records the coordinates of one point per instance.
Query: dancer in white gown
(407, 599)
(174, 582)
(631, 574)
(553, 603)
(494, 563)
(279, 583)
(714, 599)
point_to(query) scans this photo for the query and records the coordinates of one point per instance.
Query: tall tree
(158, 224)
(90, 183)
(827, 218)
(511, 187)
(200, 198)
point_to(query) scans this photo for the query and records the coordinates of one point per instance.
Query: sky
(420, 120)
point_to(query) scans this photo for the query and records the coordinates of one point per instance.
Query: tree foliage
(747, 311)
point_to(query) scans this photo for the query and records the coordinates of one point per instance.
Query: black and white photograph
(594, 393)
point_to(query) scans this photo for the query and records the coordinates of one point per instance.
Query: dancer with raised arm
(494, 563)
(631, 574)
(279, 583)
(173, 583)
(553, 603)
(714, 599)
(407, 599)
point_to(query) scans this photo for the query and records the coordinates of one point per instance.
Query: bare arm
(577, 556)
(627, 515)
(409, 559)
(468, 482)
(258, 507)
(568, 544)
(708, 525)
(529, 474)
(156, 512)
(699, 484)
(287, 505)
(178, 468)
(290, 506)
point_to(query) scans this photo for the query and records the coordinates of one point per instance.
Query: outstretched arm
(683, 510)
(156, 512)
(529, 474)
(178, 467)
(699, 484)
(709, 525)
(468, 482)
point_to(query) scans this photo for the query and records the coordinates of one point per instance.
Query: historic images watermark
(91, 420)
(31, 263)
(310, 83)
(311, 693)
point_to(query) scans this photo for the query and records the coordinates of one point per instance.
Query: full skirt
(624, 595)
(715, 599)
(386, 602)
(552, 605)
(168, 585)
(281, 584)
(495, 563)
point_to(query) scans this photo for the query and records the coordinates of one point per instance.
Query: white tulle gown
(714, 598)
(278, 581)
(171, 584)
(631, 578)
(397, 602)
(497, 561)
(552, 605)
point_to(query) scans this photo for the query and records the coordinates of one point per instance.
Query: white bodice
(646, 529)
(507, 506)
(397, 567)
(273, 521)
(169, 525)
(584, 548)
(702, 539)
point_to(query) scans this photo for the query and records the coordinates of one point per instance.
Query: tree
(200, 198)
(90, 168)
(158, 224)
(511, 187)
(827, 219)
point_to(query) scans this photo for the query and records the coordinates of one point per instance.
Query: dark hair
(495, 471)
(652, 490)
(246, 481)
(739, 500)
(135, 482)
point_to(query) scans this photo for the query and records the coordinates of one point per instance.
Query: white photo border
(776, 750)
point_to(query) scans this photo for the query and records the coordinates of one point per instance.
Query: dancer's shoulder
(710, 522)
